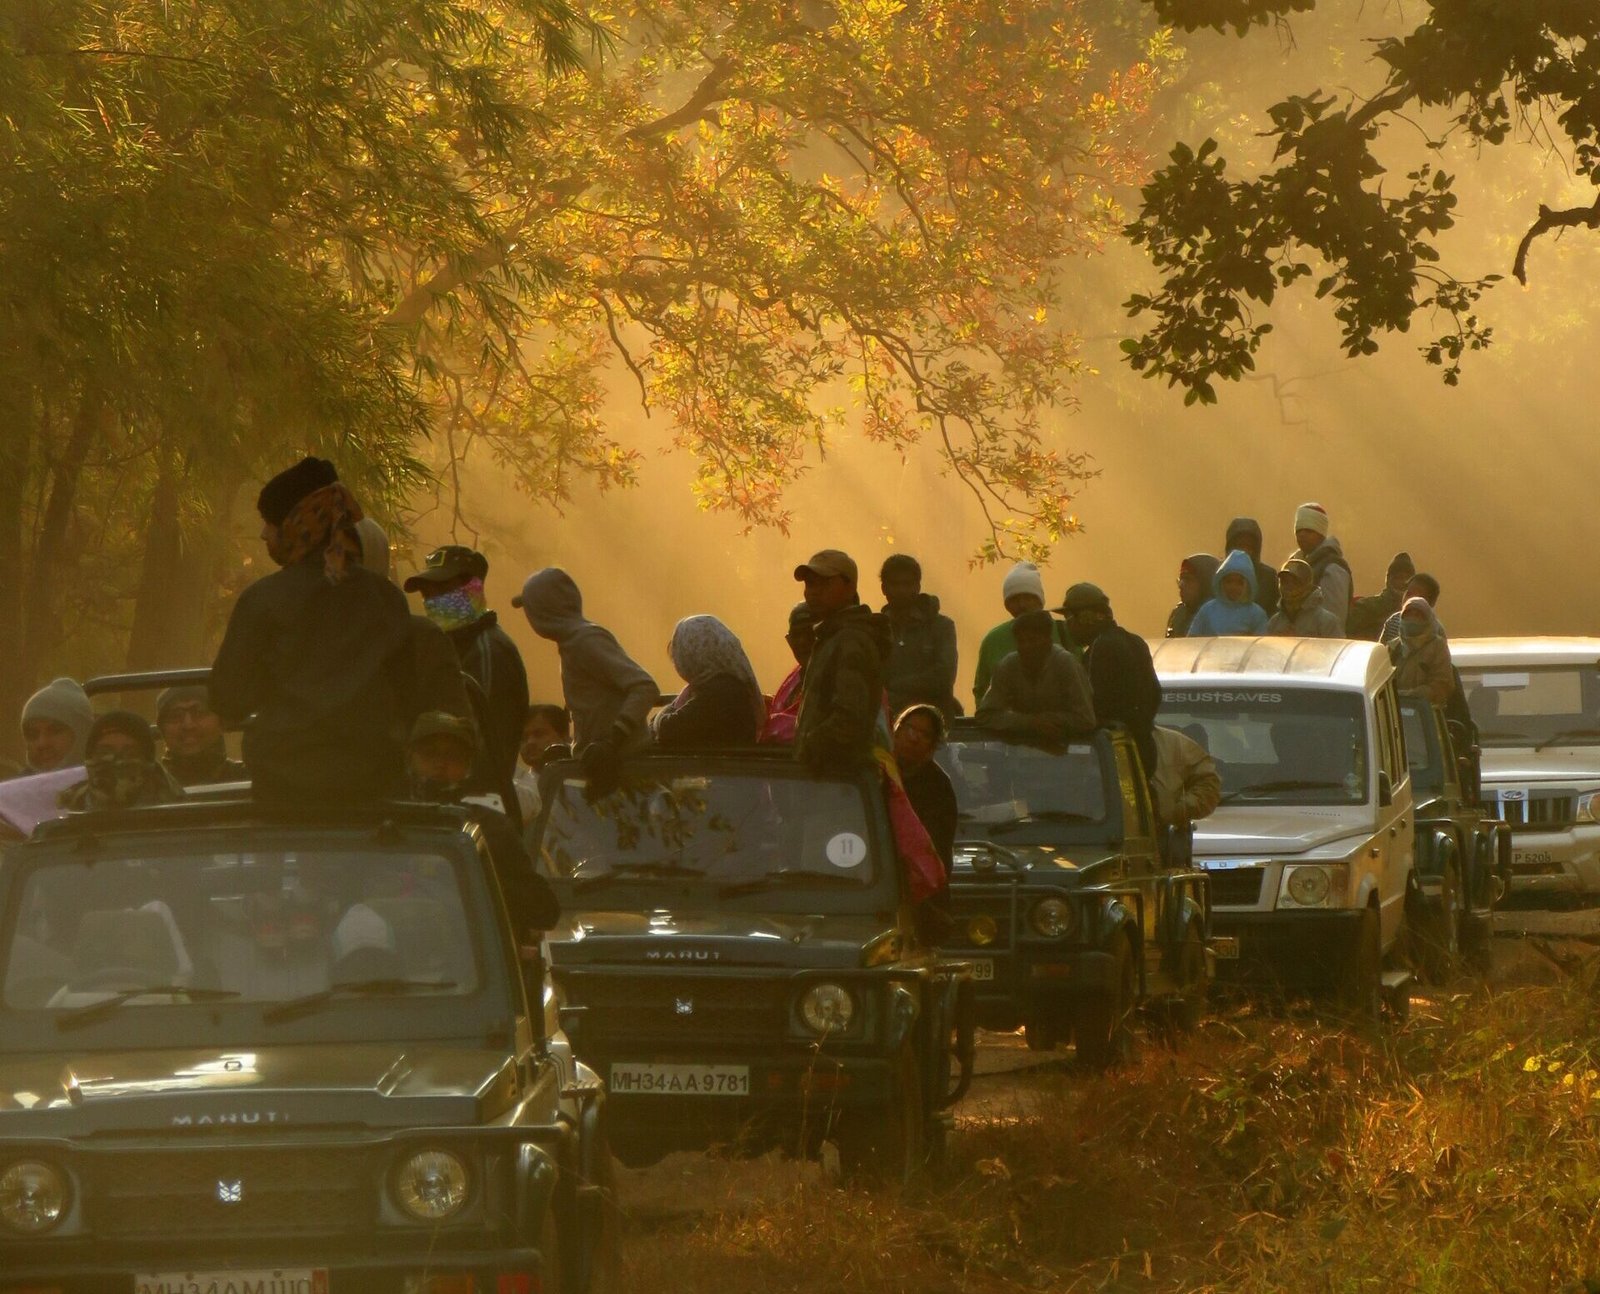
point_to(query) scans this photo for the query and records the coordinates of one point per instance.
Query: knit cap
(279, 495)
(1312, 516)
(1024, 577)
(65, 702)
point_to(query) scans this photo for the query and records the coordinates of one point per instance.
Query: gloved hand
(602, 769)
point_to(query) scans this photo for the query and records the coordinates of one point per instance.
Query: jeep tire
(1100, 1028)
(1436, 929)
(1360, 989)
(887, 1144)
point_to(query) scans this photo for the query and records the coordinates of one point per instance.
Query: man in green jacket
(843, 696)
(1022, 592)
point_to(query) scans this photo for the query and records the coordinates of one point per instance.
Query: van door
(1393, 838)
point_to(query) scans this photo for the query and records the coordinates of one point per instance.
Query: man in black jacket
(843, 696)
(316, 655)
(451, 584)
(1121, 673)
(922, 660)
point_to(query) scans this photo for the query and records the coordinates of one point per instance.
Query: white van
(1536, 702)
(1310, 853)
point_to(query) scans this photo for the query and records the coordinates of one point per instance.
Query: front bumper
(1288, 949)
(1555, 862)
(1037, 981)
(496, 1271)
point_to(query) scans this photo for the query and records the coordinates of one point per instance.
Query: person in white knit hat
(1022, 592)
(1325, 555)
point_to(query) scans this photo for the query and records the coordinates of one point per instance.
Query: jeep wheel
(1361, 990)
(1041, 1036)
(1181, 1015)
(886, 1144)
(1436, 930)
(1101, 1026)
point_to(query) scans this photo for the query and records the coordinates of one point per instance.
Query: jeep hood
(301, 1085)
(697, 936)
(1521, 766)
(1245, 831)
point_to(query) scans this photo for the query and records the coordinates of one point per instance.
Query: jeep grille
(1236, 887)
(629, 1009)
(1540, 811)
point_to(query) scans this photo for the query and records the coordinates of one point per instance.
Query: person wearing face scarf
(122, 768)
(451, 582)
(316, 661)
(721, 702)
(1421, 655)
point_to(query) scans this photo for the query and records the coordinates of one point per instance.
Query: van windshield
(1513, 705)
(1277, 745)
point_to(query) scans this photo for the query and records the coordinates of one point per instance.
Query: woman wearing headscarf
(1421, 655)
(721, 702)
(317, 655)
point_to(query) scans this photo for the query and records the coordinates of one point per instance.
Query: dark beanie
(125, 721)
(1402, 564)
(280, 494)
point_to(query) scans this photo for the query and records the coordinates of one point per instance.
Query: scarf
(703, 647)
(458, 608)
(322, 522)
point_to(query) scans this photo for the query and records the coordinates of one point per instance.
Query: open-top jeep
(1463, 853)
(1062, 897)
(742, 965)
(244, 1050)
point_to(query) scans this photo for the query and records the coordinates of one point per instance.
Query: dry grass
(1456, 1153)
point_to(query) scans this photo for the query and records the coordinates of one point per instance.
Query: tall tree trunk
(18, 414)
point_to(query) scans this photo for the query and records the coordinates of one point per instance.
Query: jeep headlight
(982, 931)
(827, 1008)
(1588, 809)
(1308, 887)
(432, 1186)
(1052, 918)
(33, 1196)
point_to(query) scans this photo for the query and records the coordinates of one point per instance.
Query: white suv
(1536, 702)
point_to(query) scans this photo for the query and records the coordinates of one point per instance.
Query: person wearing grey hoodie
(55, 725)
(1244, 534)
(1301, 612)
(1195, 574)
(607, 693)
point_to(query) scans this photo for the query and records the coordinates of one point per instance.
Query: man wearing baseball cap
(1301, 611)
(1330, 572)
(1121, 673)
(451, 583)
(843, 691)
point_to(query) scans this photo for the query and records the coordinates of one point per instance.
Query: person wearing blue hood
(1232, 611)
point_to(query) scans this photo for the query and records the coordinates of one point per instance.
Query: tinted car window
(999, 782)
(1278, 745)
(711, 826)
(260, 927)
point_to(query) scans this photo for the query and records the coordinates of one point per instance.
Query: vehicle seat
(420, 936)
(129, 943)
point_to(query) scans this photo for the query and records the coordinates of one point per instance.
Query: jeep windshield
(1017, 792)
(716, 831)
(1542, 705)
(1277, 745)
(193, 947)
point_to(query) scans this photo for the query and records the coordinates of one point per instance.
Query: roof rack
(148, 680)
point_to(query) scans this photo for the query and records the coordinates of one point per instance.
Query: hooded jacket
(1205, 566)
(1332, 574)
(1249, 528)
(325, 668)
(1221, 618)
(842, 698)
(607, 693)
(1312, 620)
(922, 658)
(1422, 663)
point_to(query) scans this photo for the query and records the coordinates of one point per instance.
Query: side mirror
(1385, 789)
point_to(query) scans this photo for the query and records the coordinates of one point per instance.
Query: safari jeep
(295, 1053)
(1536, 702)
(741, 966)
(1311, 851)
(1463, 853)
(1060, 896)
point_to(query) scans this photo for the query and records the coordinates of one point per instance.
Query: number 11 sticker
(847, 850)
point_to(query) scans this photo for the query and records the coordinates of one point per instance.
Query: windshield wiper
(1287, 784)
(92, 1011)
(621, 870)
(388, 987)
(777, 880)
(1044, 815)
(1565, 733)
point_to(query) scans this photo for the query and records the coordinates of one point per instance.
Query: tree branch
(705, 94)
(1570, 218)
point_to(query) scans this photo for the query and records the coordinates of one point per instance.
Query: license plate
(1531, 858)
(1225, 946)
(263, 1280)
(680, 1080)
(983, 970)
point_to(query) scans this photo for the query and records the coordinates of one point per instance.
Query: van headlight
(827, 1008)
(1588, 809)
(1308, 887)
(432, 1186)
(33, 1196)
(1052, 918)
